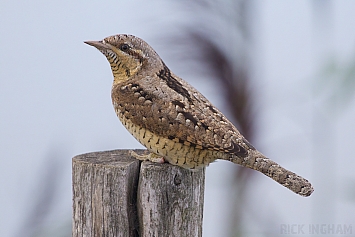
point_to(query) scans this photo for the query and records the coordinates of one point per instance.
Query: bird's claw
(150, 157)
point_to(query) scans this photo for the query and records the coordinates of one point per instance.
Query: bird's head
(126, 54)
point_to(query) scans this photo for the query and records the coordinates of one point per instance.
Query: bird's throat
(123, 71)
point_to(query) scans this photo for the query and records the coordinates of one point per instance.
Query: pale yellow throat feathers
(123, 65)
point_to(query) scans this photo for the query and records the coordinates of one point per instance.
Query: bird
(173, 120)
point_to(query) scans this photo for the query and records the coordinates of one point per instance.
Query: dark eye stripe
(129, 50)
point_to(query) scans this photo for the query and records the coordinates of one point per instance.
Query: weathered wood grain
(170, 200)
(106, 186)
(104, 194)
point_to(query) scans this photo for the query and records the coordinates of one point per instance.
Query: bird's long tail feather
(290, 180)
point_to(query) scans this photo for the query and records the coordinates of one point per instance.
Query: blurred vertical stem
(223, 50)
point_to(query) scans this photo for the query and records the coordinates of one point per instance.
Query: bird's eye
(124, 47)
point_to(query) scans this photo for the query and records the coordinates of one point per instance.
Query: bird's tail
(257, 161)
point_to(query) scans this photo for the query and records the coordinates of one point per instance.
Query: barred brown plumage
(173, 120)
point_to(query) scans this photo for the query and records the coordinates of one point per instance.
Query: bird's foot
(150, 157)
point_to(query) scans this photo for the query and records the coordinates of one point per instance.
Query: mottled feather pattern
(175, 121)
(178, 117)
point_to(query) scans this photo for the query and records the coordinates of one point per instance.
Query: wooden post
(113, 195)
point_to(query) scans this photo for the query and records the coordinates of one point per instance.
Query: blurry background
(282, 71)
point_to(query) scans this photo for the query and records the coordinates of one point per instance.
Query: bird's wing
(171, 108)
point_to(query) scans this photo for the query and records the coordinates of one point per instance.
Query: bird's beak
(98, 44)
